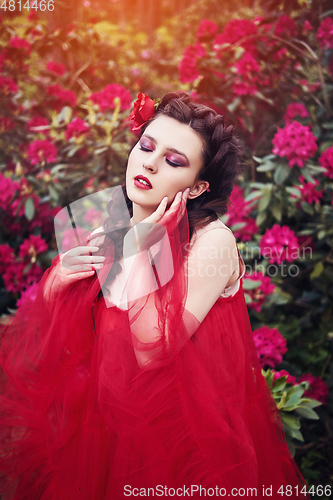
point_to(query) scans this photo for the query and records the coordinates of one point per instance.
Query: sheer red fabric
(82, 418)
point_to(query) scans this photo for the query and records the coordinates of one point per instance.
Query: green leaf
(291, 421)
(294, 394)
(307, 413)
(293, 190)
(307, 175)
(53, 193)
(252, 195)
(277, 211)
(264, 201)
(317, 271)
(250, 284)
(261, 217)
(281, 173)
(279, 384)
(29, 209)
(266, 167)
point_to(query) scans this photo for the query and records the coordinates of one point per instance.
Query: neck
(140, 213)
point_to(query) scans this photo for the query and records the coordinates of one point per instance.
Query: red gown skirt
(79, 419)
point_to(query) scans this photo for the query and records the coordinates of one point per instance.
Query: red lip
(144, 179)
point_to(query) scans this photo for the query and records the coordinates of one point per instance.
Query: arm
(209, 265)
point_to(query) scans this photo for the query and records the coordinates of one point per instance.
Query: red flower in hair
(144, 109)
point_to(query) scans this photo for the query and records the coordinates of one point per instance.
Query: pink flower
(307, 26)
(7, 191)
(318, 388)
(6, 124)
(105, 98)
(56, 68)
(206, 29)
(296, 142)
(308, 191)
(249, 69)
(295, 109)
(285, 26)
(270, 345)
(76, 128)
(258, 295)
(94, 217)
(42, 151)
(283, 373)
(188, 71)
(7, 85)
(326, 161)
(279, 244)
(31, 247)
(234, 31)
(32, 16)
(325, 33)
(61, 97)
(13, 277)
(38, 121)
(7, 256)
(21, 44)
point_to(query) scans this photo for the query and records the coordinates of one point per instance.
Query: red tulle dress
(80, 418)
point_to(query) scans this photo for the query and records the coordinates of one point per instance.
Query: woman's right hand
(78, 263)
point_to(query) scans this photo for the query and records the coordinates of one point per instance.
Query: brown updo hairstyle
(221, 166)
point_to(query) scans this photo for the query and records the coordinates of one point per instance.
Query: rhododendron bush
(65, 100)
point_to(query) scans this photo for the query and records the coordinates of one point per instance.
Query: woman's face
(169, 155)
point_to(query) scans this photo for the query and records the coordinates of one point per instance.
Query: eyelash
(168, 161)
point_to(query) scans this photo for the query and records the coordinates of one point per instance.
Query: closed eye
(172, 164)
(144, 149)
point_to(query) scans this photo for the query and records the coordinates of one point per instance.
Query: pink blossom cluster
(249, 79)
(43, 213)
(308, 190)
(94, 217)
(258, 295)
(21, 44)
(318, 389)
(280, 244)
(61, 97)
(206, 28)
(56, 68)
(238, 30)
(76, 128)
(105, 98)
(270, 346)
(325, 33)
(38, 121)
(296, 142)
(326, 161)
(238, 212)
(6, 124)
(187, 67)
(12, 266)
(285, 27)
(295, 109)
(42, 151)
(7, 85)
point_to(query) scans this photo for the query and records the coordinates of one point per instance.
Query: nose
(151, 163)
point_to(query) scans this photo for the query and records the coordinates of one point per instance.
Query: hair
(220, 167)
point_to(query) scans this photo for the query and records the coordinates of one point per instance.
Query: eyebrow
(173, 150)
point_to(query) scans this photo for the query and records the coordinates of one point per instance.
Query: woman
(143, 379)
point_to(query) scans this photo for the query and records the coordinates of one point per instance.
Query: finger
(81, 275)
(155, 216)
(81, 250)
(89, 259)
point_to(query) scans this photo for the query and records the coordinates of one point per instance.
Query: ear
(198, 188)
